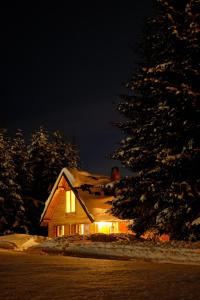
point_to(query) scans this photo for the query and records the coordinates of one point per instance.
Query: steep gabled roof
(88, 190)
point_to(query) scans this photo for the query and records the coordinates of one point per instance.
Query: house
(78, 205)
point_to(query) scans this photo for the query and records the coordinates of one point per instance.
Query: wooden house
(78, 205)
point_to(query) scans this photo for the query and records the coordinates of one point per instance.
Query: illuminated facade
(78, 205)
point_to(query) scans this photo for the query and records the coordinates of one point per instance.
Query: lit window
(107, 227)
(60, 230)
(81, 229)
(70, 202)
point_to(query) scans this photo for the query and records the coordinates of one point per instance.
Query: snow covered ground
(31, 276)
(20, 242)
(173, 252)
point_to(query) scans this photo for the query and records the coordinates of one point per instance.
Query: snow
(49, 277)
(196, 222)
(168, 252)
(157, 252)
(30, 243)
(20, 242)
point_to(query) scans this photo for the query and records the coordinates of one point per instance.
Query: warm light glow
(70, 202)
(154, 236)
(60, 230)
(107, 227)
(164, 238)
(81, 229)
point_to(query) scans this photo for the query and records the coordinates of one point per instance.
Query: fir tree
(161, 126)
(59, 154)
(67, 153)
(38, 151)
(47, 155)
(20, 160)
(27, 174)
(12, 211)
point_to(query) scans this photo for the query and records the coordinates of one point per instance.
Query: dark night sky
(62, 67)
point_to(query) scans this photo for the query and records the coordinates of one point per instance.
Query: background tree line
(28, 169)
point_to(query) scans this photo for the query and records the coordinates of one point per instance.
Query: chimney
(115, 174)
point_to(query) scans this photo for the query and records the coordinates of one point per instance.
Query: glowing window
(107, 227)
(70, 202)
(81, 228)
(60, 230)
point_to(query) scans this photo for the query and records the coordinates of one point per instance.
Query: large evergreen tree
(161, 126)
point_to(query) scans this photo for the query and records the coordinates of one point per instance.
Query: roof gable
(88, 191)
(71, 181)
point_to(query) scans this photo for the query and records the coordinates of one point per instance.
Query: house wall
(60, 217)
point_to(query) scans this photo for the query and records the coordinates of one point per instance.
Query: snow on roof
(89, 191)
(196, 221)
(83, 177)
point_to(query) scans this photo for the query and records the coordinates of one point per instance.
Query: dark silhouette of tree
(12, 210)
(47, 155)
(27, 174)
(161, 126)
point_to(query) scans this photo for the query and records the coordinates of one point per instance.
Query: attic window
(70, 202)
